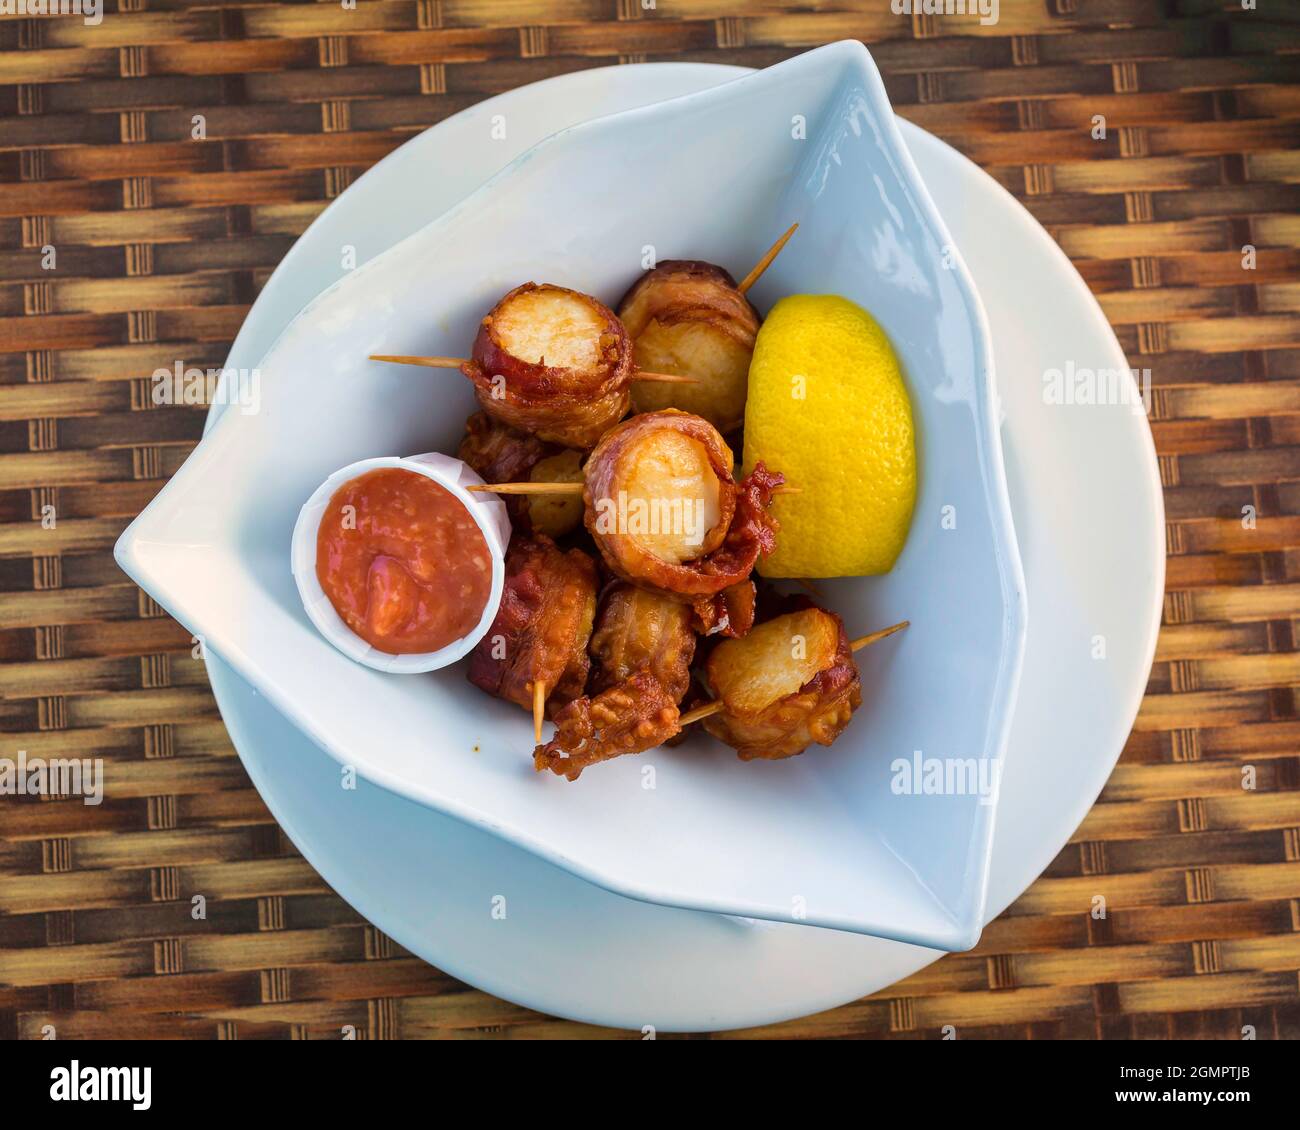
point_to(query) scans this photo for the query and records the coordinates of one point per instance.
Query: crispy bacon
(749, 528)
(569, 404)
(500, 454)
(632, 716)
(730, 613)
(542, 627)
(674, 286)
(785, 726)
(636, 630)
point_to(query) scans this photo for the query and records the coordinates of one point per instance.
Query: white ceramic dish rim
(232, 692)
(961, 932)
(489, 514)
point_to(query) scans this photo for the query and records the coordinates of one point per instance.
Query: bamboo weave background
(163, 243)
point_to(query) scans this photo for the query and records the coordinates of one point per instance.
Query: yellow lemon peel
(828, 408)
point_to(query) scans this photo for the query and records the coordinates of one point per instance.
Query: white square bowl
(825, 838)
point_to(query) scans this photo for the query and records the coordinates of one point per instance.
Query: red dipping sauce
(403, 562)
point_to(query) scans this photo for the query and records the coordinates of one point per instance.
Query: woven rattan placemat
(162, 241)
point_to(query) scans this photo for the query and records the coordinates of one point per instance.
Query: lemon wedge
(828, 408)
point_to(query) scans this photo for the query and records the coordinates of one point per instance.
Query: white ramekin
(488, 511)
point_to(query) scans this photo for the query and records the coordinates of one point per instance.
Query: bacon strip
(630, 717)
(500, 454)
(542, 626)
(730, 613)
(689, 289)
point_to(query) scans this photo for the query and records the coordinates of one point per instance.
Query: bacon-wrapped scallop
(665, 512)
(688, 317)
(502, 454)
(642, 630)
(642, 648)
(554, 363)
(790, 682)
(542, 628)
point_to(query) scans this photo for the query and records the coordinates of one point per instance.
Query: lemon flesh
(828, 409)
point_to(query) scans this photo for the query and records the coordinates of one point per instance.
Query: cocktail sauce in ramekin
(402, 561)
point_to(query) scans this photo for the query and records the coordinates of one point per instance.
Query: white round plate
(1089, 518)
